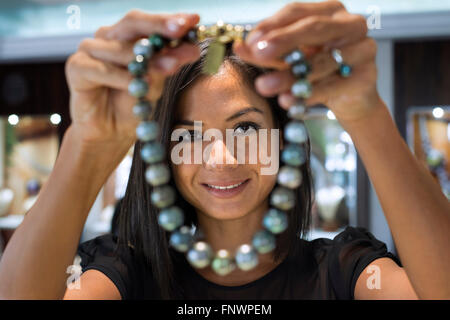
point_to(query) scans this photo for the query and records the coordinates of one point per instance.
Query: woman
(102, 131)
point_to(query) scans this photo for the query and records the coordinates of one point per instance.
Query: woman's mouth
(226, 189)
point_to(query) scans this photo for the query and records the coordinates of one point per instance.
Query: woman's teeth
(227, 187)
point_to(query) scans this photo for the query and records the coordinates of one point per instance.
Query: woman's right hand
(97, 75)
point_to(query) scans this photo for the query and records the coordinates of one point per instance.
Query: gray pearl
(290, 177)
(301, 69)
(301, 89)
(138, 88)
(157, 174)
(163, 196)
(181, 239)
(282, 198)
(275, 221)
(294, 155)
(295, 131)
(142, 109)
(223, 263)
(246, 257)
(144, 48)
(171, 218)
(147, 130)
(200, 255)
(294, 57)
(297, 111)
(152, 152)
(137, 67)
(264, 241)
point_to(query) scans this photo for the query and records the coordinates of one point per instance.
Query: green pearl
(294, 155)
(222, 263)
(138, 88)
(246, 257)
(200, 255)
(157, 42)
(282, 198)
(157, 174)
(153, 152)
(275, 221)
(171, 218)
(181, 239)
(163, 196)
(264, 241)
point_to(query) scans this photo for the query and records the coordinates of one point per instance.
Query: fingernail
(174, 25)
(253, 37)
(268, 83)
(262, 48)
(167, 63)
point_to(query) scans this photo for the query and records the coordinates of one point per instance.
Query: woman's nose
(217, 156)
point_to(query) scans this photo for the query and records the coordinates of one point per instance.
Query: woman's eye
(246, 129)
(189, 136)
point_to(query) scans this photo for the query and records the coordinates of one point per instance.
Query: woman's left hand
(316, 28)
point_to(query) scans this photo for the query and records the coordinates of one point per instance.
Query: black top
(326, 269)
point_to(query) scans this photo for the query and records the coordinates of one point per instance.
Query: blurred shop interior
(36, 37)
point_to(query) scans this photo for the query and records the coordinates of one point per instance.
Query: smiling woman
(226, 202)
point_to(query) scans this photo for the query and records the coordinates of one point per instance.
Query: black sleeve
(99, 254)
(352, 251)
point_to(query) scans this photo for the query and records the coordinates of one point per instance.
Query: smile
(224, 190)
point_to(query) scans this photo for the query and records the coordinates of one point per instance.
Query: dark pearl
(191, 36)
(301, 69)
(157, 42)
(264, 241)
(152, 152)
(200, 255)
(138, 88)
(289, 177)
(246, 257)
(295, 131)
(142, 109)
(171, 218)
(144, 48)
(163, 196)
(294, 155)
(297, 111)
(138, 67)
(147, 130)
(222, 263)
(294, 57)
(181, 239)
(282, 198)
(275, 221)
(157, 174)
(301, 89)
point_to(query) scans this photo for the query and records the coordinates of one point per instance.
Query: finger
(291, 13)
(86, 73)
(311, 31)
(121, 53)
(323, 65)
(138, 24)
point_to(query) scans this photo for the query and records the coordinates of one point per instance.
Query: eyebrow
(234, 116)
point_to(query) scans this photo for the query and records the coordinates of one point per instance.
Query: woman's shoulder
(345, 256)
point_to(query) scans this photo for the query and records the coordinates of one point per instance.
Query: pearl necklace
(157, 174)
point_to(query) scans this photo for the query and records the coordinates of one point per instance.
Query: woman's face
(223, 101)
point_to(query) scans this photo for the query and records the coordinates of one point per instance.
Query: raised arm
(103, 128)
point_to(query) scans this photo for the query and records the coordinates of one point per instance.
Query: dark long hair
(138, 229)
